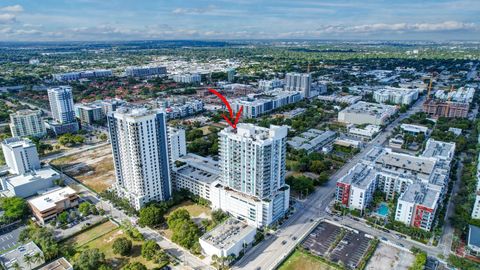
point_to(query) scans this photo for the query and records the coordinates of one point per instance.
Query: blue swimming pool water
(383, 210)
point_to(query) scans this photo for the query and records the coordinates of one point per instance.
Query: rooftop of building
(59, 88)
(361, 175)
(255, 132)
(36, 175)
(48, 200)
(58, 264)
(439, 149)
(18, 142)
(228, 233)
(311, 138)
(16, 255)
(26, 112)
(373, 109)
(422, 165)
(474, 236)
(414, 127)
(199, 168)
(421, 194)
(135, 111)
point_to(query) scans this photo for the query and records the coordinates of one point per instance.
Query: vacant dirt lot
(93, 168)
(387, 257)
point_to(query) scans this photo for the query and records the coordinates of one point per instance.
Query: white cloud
(193, 11)
(14, 8)
(7, 18)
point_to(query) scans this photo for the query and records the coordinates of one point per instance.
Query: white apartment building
(252, 165)
(355, 189)
(421, 181)
(394, 95)
(178, 144)
(20, 155)
(26, 123)
(77, 75)
(265, 103)
(61, 104)
(187, 78)
(145, 71)
(141, 154)
(300, 82)
(417, 206)
(367, 113)
(267, 85)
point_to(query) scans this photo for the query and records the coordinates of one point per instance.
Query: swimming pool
(382, 210)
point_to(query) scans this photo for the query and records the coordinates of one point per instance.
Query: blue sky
(52, 20)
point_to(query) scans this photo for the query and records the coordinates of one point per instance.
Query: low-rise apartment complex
(420, 181)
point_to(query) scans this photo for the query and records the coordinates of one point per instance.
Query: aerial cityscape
(257, 135)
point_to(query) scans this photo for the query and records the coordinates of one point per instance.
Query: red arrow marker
(225, 101)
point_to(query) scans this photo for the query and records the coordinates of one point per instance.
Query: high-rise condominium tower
(61, 104)
(300, 82)
(141, 154)
(252, 164)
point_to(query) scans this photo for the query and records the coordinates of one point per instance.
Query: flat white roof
(228, 233)
(40, 174)
(49, 199)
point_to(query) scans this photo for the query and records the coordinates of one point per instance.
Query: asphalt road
(269, 253)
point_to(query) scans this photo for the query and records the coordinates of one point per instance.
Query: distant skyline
(103, 20)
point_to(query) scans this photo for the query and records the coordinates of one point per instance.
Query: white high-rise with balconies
(20, 155)
(61, 104)
(63, 111)
(141, 154)
(26, 123)
(252, 165)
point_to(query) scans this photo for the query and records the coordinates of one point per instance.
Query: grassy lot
(97, 231)
(105, 244)
(300, 260)
(102, 237)
(197, 212)
(94, 168)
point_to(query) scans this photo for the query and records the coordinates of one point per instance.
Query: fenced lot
(94, 168)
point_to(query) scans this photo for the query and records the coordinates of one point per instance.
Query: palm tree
(16, 266)
(28, 260)
(38, 257)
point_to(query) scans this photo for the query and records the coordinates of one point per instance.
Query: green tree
(122, 246)
(63, 217)
(149, 249)
(14, 208)
(84, 208)
(134, 266)
(89, 259)
(151, 215)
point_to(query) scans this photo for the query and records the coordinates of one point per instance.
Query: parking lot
(346, 247)
(321, 238)
(350, 249)
(9, 237)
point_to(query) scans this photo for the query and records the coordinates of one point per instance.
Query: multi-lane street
(271, 252)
